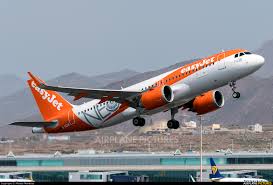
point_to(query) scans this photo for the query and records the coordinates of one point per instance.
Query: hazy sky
(54, 37)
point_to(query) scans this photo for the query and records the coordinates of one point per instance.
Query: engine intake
(207, 102)
(156, 97)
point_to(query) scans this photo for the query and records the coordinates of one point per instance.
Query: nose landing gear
(235, 94)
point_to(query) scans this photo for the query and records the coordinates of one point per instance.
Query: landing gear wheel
(176, 124)
(170, 124)
(142, 122)
(173, 124)
(138, 121)
(236, 95)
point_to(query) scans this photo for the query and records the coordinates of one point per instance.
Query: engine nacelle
(156, 97)
(207, 102)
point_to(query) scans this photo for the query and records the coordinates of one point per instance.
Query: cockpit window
(248, 53)
(241, 54)
(236, 55)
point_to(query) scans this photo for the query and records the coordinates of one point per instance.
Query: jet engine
(157, 97)
(207, 102)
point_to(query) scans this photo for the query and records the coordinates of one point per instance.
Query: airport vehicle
(190, 87)
(216, 176)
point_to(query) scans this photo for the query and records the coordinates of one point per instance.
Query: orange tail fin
(50, 103)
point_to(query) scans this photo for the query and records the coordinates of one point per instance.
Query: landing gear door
(221, 61)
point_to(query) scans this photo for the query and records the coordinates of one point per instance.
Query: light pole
(201, 149)
(272, 115)
(232, 145)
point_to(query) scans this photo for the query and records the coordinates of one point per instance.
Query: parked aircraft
(216, 176)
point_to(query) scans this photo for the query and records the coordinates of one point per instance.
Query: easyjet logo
(47, 97)
(199, 64)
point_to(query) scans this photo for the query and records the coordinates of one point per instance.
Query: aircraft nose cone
(259, 60)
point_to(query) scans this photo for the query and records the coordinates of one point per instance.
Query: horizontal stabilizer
(35, 124)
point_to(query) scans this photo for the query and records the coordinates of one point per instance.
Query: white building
(58, 138)
(256, 128)
(190, 124)
(93, 176)
(215, 127)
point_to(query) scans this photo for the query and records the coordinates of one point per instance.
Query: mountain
(144, 76)
(11, 83)
(254, 106)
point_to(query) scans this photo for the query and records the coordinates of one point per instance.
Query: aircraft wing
(34, 124)
(93, 93)
(103, 94)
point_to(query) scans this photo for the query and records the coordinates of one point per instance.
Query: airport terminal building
(157, 166)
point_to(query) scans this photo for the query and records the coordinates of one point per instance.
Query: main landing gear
(138, 121)
(173, 124)
(235, 94)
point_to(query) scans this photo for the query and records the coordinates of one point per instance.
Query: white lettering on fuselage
(46, 96)
(197, 65)
(68, 125)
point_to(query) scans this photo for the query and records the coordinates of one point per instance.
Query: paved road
(135, 168)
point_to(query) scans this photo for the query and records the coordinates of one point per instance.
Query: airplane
(216, 176)
(191, 87)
